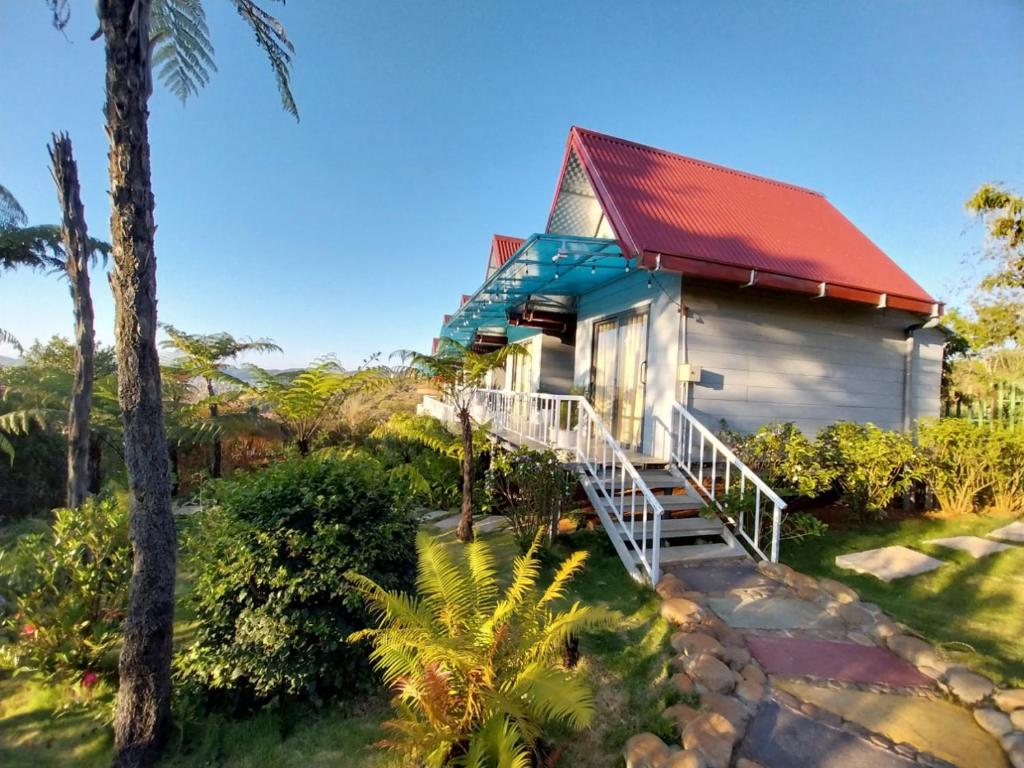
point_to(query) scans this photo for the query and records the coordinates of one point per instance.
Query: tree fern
(477, 675)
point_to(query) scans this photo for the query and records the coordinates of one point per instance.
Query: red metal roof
(715, 222)
(502, 248)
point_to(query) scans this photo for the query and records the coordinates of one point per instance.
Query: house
(668, 297)
(662, 279)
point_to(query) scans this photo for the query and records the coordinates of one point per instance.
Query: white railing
(568, 423)
(731, 487)
(431, 406)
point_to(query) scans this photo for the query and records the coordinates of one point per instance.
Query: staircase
(697, 505)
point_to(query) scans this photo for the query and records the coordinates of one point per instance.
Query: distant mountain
(10, 361)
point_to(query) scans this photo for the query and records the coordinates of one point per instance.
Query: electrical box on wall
(689, 372)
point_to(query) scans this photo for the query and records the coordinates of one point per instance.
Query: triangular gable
(576, 210)
(502, 249)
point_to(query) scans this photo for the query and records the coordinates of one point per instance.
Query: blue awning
(547, 273)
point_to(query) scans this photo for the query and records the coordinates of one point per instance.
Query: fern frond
(565, 573)
(182, 53)
(443, 586)
(555, 695)
(272, 38)
(483, 574)
(497, 744)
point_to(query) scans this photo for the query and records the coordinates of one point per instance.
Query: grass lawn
(972, 609)
(626, 664)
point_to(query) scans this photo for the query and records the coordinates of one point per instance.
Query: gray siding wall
(788, 358)
(556, 366)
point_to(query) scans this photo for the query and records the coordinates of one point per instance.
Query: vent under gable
(577, 211)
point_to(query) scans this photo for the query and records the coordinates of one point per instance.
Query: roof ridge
(697, 161)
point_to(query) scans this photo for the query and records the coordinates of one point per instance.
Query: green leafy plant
(268, 556)
(795, 525)
(872, 466)
(477, 675)
(783, 457)
(69, 588)
(532, 489)
(1006, 464)
(956, 461)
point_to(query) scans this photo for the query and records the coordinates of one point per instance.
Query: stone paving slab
(1012, 532)
(828, 660)
(889, 563)
(975, 546)
(937, 727)
(778, 737)
(771, 613)
(710, 579)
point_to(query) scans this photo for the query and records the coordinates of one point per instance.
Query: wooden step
(684, 527)
(655, 479)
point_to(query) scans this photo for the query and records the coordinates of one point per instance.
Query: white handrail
(693, 456)
(569, 423)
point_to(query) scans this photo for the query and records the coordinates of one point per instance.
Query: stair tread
(684, 526)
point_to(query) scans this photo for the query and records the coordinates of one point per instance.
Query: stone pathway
(783, 670)
(975, 546)
(1012, 532)
(888, 563)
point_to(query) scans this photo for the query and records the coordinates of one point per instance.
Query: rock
(692, 643)
(914, 650)
(861, 639)
(670, 586)
(884, 629)
(801, 581)
(1013, 744)
(681, 714)
(839, 591)
(1017, 718)
(753, 673)
(969, 687)
(709, 673)
(679, 610)
(687, 758)
(855, 615)
(1010, 699)
(736, 657)
(682, 682)
(728, 707)
(645, 750)
(932, 672)
(776, 571)
(713, 736)
(995, 722)
(750, 692)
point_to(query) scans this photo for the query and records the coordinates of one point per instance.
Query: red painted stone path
(827, 660)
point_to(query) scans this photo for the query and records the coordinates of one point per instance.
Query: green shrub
(957, 460)
(69, 590)
(1006, 463)
(477, 673)
(531, 488)
(269, 557)
(782, 456)
(871, 465)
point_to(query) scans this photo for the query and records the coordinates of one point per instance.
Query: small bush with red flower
(66, 590)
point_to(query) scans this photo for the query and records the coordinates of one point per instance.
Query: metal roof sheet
(502, 248)
(729, 222)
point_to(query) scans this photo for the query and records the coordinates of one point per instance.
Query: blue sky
(428, 126)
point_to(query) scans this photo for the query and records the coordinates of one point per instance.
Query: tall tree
(203, 357)
(183, 51)
(75, 234)
(1003, 213)
(457, 371)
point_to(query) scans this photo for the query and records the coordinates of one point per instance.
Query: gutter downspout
(908, 365)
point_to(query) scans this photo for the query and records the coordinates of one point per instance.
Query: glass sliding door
(618, 375)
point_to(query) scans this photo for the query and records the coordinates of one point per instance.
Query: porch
(698, 502)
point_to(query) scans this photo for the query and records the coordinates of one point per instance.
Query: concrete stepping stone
(1012, 532)
(772, 613)
(710, 579)
(888, 563)
(778, 737)
(937, 727)
(975, 546)
(828, 660)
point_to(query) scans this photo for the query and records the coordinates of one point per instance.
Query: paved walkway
(793, 672)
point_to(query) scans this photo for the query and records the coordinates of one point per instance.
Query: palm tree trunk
(465, 529)
(215, 464)
(143, 719)
(76, 243)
